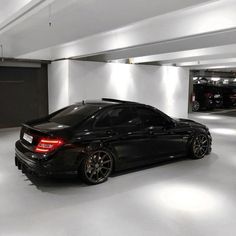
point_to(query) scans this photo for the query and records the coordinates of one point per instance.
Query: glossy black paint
(229, 96)
(134, 144)
(208, 96)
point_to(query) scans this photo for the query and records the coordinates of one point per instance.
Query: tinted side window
(151, 118)
(74, 114)
(118, 117)
(104, 120)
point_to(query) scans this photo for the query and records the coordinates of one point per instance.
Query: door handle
(109, 132)
(157, 130)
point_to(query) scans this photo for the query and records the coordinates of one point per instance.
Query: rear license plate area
(28, 138)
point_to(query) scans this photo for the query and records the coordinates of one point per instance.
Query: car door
(126, 135)
(163, 139)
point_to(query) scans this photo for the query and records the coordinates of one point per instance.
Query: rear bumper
(29, 168)
(27, 164)
(63, 161)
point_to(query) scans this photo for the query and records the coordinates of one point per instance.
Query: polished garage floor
(181, 198)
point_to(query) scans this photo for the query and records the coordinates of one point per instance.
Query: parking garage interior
(179, 57)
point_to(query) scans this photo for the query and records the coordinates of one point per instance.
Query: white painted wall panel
(58, 85)
(164, 87)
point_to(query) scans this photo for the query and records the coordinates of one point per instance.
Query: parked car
(95, 138)
(206, 97)
(217, 96)
(229, 96)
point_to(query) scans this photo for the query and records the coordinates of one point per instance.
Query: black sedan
(95, 138)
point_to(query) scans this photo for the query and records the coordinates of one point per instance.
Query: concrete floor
(185, 197)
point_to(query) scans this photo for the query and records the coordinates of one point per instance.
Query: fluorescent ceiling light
(215, 79)
(226, 81)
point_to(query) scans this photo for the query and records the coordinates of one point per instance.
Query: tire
(199, 146)
(16, 162)
(96, 167)
(196, 106)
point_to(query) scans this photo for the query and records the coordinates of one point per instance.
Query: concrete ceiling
(72, 20)
(11, 8)
(193, 33)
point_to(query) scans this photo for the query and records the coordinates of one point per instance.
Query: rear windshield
(74, 114)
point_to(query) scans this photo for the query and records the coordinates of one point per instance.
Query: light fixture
(225, 81)
(50, 15)
(215, 79)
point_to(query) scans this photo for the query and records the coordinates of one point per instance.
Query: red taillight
(46, 145)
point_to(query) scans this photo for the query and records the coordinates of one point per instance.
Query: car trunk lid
(31, 135)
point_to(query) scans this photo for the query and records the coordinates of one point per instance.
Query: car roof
(109, 102)
(104, 102)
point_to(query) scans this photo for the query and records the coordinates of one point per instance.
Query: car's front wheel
(199, 146)
(96, 167)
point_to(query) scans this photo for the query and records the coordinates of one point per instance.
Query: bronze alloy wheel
(200, 146)
(98, 167)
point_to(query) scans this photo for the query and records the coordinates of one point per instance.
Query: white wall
(164, 87)
(58, 85)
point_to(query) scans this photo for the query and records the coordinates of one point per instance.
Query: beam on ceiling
(208, 25)
(212, 73)
(27, 10)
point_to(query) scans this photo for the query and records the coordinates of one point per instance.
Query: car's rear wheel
(196, 106)
(199, 146)
(96, 167)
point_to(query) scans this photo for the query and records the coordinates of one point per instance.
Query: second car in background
(206, 97)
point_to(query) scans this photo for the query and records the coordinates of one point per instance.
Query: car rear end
(218, 100)
(46, 152)
(47, 146)
(41, 152)
(213, 97)
(204, 96)
(209, 100)
(217, 96)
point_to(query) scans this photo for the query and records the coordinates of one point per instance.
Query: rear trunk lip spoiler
(32, 128)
